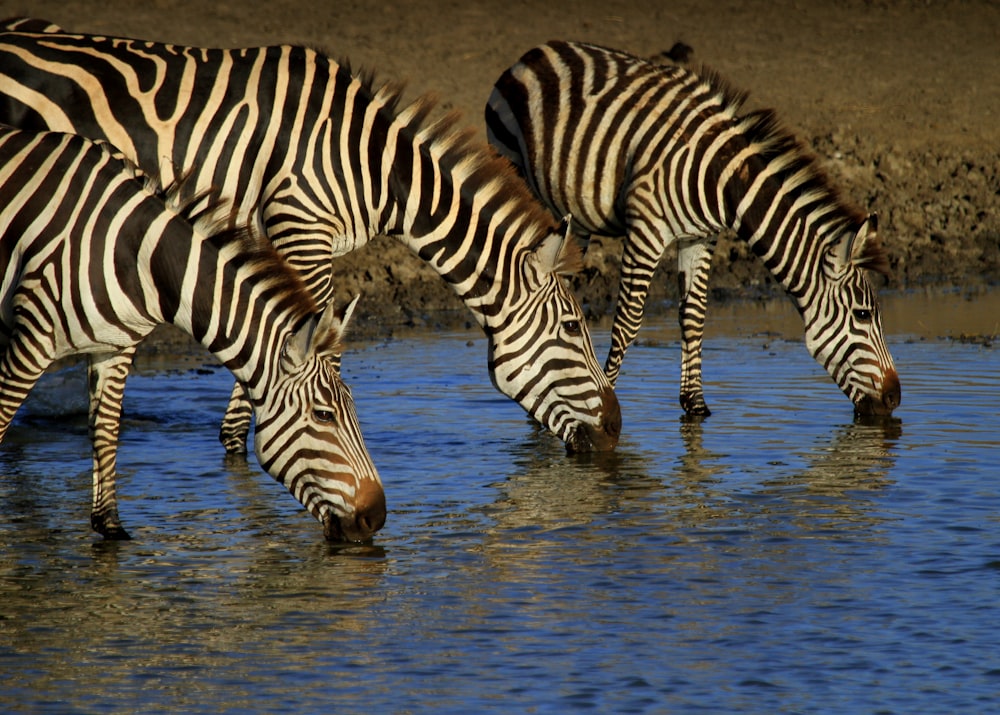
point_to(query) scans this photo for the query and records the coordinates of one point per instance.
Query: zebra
(91, 260)
(322, 160)
(662, 154)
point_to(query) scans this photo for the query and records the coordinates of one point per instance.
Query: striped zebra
(91, 261)
(322, 161)
(661, 154)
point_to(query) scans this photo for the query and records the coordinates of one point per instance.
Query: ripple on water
(777, 556)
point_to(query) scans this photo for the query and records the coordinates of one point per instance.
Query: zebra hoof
(110, 529)
(233, 445)
(695, 406)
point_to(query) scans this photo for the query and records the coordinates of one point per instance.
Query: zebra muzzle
(602, 437)
(368, 517)
(884, 404)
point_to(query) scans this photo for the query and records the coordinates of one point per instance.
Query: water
(777, 557)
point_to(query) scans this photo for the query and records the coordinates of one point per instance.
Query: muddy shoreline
(898, 99)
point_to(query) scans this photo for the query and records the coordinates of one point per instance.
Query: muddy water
(777, 557)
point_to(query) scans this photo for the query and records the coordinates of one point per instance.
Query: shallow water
(776, 557)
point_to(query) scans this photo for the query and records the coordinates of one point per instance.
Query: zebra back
(662, 154)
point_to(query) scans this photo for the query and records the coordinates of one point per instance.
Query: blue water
(776, 557)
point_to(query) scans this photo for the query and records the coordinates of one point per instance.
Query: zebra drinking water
(323, 161)
(91, 261)
(661, 154)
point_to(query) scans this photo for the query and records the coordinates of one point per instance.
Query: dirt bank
(899, 99)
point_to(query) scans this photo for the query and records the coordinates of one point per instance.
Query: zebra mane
(480, 167)
(776, 144)
(254, 253)
(250, 249)
(485, 170)
(873, 257)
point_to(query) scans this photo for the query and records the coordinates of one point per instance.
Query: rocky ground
(899, 99)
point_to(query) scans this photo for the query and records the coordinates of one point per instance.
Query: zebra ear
(862, 250)
(866, 249)
(559, 253)
(321, 335)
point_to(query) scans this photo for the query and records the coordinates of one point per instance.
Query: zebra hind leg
(106, 379)
(236, 423)
(21, 366)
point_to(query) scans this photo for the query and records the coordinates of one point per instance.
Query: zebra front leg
(640, 257)
(693, 263)
(236, 423)
(106, 378)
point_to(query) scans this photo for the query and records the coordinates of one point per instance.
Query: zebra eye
(323, 415)
(862, 314)
(572, 327)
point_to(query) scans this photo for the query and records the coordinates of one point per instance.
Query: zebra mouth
(331, 528)
(602, 437)
(336, 531)
(588, 438)
(579, 441)
(352, 531)
(869, 407)
(884, 404)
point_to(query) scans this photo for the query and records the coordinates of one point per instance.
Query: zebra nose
(368, 516)
(612, 420)
(891, 392)
(369, 509)
(602, 437)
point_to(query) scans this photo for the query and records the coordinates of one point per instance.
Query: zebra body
(322, 161)
(662, 154)
(91, 261)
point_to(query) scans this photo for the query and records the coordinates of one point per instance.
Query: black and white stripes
(662, 154)
(91, 261)
(322, 161)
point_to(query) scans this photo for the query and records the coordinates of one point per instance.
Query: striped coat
(91, 260)
(322, 161)
(662, 155)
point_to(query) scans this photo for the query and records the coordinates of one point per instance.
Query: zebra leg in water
(641, 256)
(633, 286)
(236, 422)
(644, 244)
(106, 373)
(694, 260)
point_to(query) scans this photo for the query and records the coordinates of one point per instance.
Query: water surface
(776, 557)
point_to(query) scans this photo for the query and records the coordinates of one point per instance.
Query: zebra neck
(792, 248)
(236, 301)
(788, 218)
(463, 213)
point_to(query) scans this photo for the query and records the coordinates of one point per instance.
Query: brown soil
(899, 99)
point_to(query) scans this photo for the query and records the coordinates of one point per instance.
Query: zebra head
(307, 433)
(541, 355)
(843, 326)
